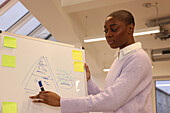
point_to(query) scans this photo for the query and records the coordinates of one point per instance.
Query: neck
(131, 41)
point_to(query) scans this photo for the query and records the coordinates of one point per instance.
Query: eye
(114, 30)
(105, 31)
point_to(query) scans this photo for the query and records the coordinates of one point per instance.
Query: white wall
(161, 68)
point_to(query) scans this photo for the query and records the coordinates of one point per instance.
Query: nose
(108, 34)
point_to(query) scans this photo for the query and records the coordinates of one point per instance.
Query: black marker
(41, 86)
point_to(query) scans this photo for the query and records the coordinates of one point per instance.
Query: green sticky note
(10, 42)
(77, 55)
(8, 61)
(9, 107)
(78, 67)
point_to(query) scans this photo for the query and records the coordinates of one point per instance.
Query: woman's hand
(47, 97)
(87, 71)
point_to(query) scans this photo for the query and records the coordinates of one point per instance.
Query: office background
(73, 21)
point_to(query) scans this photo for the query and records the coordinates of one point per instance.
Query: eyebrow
(111, 25)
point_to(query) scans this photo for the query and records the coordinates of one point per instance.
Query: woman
(128, 83)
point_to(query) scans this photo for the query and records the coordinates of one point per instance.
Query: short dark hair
(123, 15)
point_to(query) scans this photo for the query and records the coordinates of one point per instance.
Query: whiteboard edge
(38, 39)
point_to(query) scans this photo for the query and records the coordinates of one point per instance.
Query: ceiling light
(106, 70)
(140, 32)
(94, 39)
(147, 31)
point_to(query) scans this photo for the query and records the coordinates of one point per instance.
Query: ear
(131, 29)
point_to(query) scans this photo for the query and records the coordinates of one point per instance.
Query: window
(3, 3)
(28, 27)
(17, 19)
(162, 94)
(12, 16)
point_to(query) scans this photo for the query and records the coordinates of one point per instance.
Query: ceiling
(72, 21)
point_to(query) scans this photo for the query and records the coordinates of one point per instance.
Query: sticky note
(10, 42)
(78, 67)
(8, 61)
(77, 55)
(9, 107)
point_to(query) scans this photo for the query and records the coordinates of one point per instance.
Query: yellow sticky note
(78, 67)
(77, 55)
(9, 107)
(10, 42)
(8, 61)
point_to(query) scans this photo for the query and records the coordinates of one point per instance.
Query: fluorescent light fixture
(146, 31)
(94, 39)
(106, 70)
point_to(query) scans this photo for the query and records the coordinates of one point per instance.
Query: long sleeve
(131, 86)
(93, 89)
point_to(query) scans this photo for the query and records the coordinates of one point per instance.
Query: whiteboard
(37, 59)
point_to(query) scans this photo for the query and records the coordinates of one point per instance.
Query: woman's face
(116, 33)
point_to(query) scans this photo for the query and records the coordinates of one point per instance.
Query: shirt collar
(128, 49)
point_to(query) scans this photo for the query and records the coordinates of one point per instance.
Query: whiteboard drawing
(64, 80)
(40, 71)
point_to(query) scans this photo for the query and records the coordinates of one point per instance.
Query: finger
(39, 101)
(34, 97)
(86, 66)
(41, 95)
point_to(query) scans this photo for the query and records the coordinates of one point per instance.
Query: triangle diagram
(40, 71)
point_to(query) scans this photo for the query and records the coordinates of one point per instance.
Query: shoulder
(140, 55)
(138, 58)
